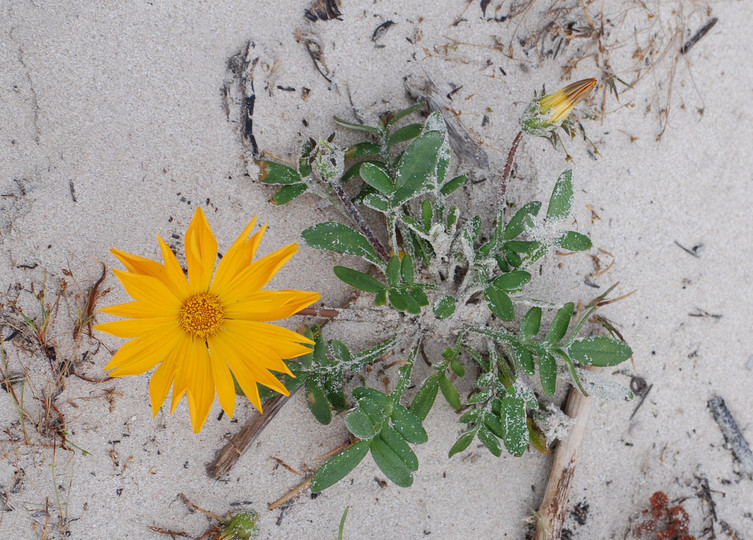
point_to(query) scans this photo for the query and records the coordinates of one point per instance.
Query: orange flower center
(201, 315)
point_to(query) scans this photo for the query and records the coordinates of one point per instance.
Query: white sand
(123, 103)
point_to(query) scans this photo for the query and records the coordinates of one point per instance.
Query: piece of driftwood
(228, 455)
(732, 434)
(553, 509)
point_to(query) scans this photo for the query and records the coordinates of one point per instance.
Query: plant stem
(358, 218)
(508, 169)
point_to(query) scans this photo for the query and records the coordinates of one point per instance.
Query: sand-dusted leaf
(599, 351)
(383, 400)
(512, 281)
(514, 423)
(405, 133)
(339, 466)
(271, 172)
(408, 425)
(517, 224)
(369, 355)
(359, 280)
(375, 176)
(449, 392)
(559, 325)
(548, 372)
(358, 127)
(494, 424)
(399, 446)
(499, 303)
(359, 424)
(453, 185)
(287, 193)
(424, 398)
(340, 238)
(317, 401)
(390, 463)
(406, 269)
(574, 241)
(445, 307)
(398, 300)
(362, 149)
(333, 387)
(462, 443)
(417, 166)
(393, 271)
(562, 197)
(524, 358)
(490, 440)
(376, 202)
(531, 323)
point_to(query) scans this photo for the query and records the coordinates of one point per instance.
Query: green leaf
(340, 238)
(453, 185)
(287, 193)
(524, 357)
(417, 166)
(390, 463)
(400, 447)
(599, 351)
(531, 323)
(457, 367)
(277, 173)
(377, 202)
(424, 398)
(479, 397)
(381, 298)
(320, 351)
(408, 425)
(561, 321)
(471, 416)
(359, 280)
(574, 241)
(392, 118)
(339, 351)
(406, 269)
(382, 400)
(333, 387)
(548, 372)
(359, 424)
(562, 197)
(376, 413)
(398, 300)
(462, 443)
(339, 466)
(358, 127)
(499, 303)
(494, 424)
(514, 423)
(489, 440)
(452, 217)
(427, 214)
(362, 149)
(472, 230)
(317, 401)
(376, 177)
(517, 224)
(445, 307)
(512, 281)
(393, 271)
(449, 392)
(405, 133)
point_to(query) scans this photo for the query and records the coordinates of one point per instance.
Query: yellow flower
(201, 329)
(547, 112)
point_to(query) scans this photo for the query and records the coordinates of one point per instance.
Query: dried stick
(554, 506)
(508, 169)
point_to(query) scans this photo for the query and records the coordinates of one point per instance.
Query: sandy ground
(114, 128)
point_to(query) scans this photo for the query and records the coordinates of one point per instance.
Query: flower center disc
(201, 315)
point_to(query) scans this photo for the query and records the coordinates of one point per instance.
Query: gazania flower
(200, 328)
(547, 112)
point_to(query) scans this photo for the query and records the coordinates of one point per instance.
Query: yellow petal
(144, 352)
(201, 386)
(162, 379)
(133, 327)
(201, 252)
(185, 369)
(138, 265)
(175, 279)
(270, 305)
(139, 310)
(221, 348)
(151, 292)
(255, 276)
(238, 257)
(223, 382)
